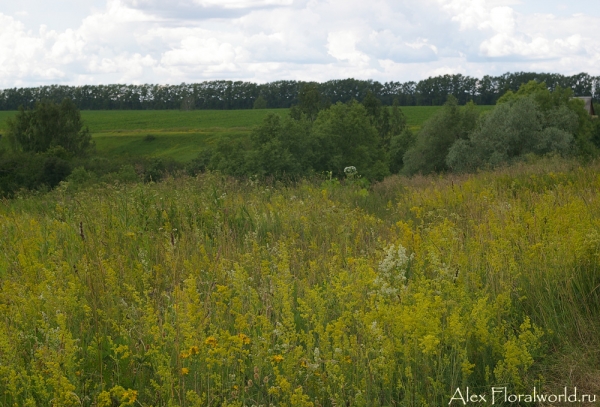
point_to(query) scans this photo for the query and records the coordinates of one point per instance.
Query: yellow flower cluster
(191, 291)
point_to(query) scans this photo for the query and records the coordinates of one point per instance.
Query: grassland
(182, 135)
(213, 292)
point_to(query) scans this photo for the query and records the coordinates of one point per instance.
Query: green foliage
(399, 145)
(595, 133)
(230, 156)
(200, 163)
(282, 148)
(271, 155)
(32, 171)
(373, 106)
(223, 94)
(310, 102)
(188, 102)
(438, 134)
(341, 136)
(80, 178)
(206, 291)
(54, 170)
(388, 123)
(530, 121)
(345, 137)
(182, 136)
(260, 103)
(49, 125)
(397, 121)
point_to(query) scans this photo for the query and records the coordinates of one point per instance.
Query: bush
(399, 145)
(436, 137)
(54, 170)
(230, 157)
(79, 178)
(49, 125)
(345, 137)
(513, 130)
(25, 170)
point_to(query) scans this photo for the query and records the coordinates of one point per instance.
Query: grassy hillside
(182, 135)
(211, 292)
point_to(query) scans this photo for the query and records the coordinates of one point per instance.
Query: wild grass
(180, 146)
(209, 291)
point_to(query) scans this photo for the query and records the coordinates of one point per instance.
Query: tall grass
(210, 291)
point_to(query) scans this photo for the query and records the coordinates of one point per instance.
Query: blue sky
(166, 41)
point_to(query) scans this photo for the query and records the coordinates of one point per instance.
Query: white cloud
(160, 41)
(199, 51)
(342, 46)
(243, 3)
(386, 45)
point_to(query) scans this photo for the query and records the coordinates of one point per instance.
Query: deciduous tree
(49, 125)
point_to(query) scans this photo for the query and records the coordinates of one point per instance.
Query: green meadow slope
(181, 135)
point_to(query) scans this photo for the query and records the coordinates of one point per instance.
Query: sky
(78, 42)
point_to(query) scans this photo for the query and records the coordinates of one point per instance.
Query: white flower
(392, 271)
(350, 170)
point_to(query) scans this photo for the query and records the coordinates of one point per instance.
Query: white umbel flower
(392, 271)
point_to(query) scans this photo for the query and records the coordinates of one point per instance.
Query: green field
(181, 135)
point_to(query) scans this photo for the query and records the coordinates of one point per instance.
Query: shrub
(511, 131)
(436, 137)
(49, 125)
(345, 136)
(399, 145)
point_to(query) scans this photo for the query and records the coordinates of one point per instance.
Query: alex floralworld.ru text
(502, 395)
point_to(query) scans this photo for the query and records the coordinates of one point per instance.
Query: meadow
(210, 291)
(181, 135)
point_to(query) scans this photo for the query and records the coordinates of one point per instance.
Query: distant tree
(49, 125)
(436, 137)
(517, 126)
(188, 102)
(373, 106)
(554, 105)
(310, 102)
(345, 137)
(281, 147)
(260, 103)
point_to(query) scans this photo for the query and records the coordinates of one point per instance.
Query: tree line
(362, 141)
(317, 137)
(223, 95)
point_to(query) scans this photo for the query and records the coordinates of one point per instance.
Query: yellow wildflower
(277, 358)
(130, 395)
(194, 350)
(245, 339)
(185, 370)
(211, 340)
